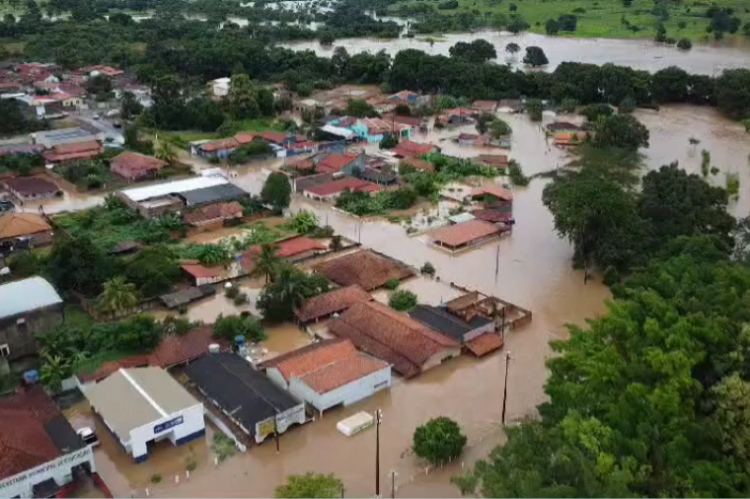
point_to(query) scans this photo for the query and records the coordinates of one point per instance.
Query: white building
(329, 373)
(145, 404)
(40, 453)
(220, 86)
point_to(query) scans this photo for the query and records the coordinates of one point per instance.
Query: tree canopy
(310, 485)
(439, 440)
(277, 191)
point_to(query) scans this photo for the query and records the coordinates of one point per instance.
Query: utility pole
(276, 427)
(378, 420)
(393, 484)
(505, 388)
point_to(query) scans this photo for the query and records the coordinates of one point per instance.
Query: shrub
(240, 299)
(684, 44)
(403, 300)
(392, 284)
(232, 292)
(428, 269)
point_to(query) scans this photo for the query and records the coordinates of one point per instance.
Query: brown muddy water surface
(531, 268)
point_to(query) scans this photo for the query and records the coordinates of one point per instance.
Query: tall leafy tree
(243, 97)
(118, 296)
(310, 485)
(277, 191)
(266, 262)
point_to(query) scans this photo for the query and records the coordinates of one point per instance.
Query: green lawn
(183, 138)
(93, 363)
(603, 18)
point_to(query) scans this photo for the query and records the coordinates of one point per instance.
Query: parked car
(97, 116)
(88, 436)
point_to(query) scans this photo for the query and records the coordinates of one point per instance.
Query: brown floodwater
(532, 268)
(638, 54)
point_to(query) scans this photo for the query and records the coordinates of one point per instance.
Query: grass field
(603, 18)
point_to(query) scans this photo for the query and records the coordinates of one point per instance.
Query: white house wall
(59, 469)
(192, 423)
(440, 357)
(277, 378)
(475, 333)
(348, 394)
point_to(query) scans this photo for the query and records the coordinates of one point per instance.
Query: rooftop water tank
(214, 348)
(31, 377)
(239, 340)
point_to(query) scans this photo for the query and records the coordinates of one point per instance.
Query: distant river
(638, 54)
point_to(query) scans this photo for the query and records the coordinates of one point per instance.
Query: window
(4, 350)
(380, 385)
(21, 325)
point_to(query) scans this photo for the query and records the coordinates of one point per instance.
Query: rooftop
(26, 295)
(407, 148)
(389, 335)
(174, 349)
(326, 365)
(63, 136)
(135, 162)
(484, 344)
(335, 162)
(32, 432)
(111, 367)
(176, 186)
(22, 224)
(444, 322)
(213, 194)
(493, 215)
(334, 301)
(339, 186)
(297, 245)
(497, 160)
(238, 388)
(365, 268)
(148, 393)
(495, 191)
(461, 234)
(214, 212)
(31, 185)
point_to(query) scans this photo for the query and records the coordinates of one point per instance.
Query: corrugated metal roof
(26, 295)
(461, 217)
(177, 186)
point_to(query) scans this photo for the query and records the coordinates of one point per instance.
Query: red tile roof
(220, 145)
(335, 301)
(79, 150)
(244, 138)
(26, 186)
(496, 160)
(199, 271)
(412, 121)
(216, 211)
(492, 216)
(339, 186)
(364, 268)
(407, 148)
(463, 233)
(135, 164)
(484, 105)
(484, 344)
(24, 441)
(391, 336)
(335, 162)
(175, 350)
(468, 136)
(343, 372)
(495, 191)
(112, 367)
(275, 137)
(323, 354)
(297, 246)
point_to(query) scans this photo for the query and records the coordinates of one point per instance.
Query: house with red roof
(292, 249)
(72, 152)
(217, 212)
(409, 149)
(329, 373)
(134, 166)
(345, 163)
(41, 455)
(331, 190)
(203, 274)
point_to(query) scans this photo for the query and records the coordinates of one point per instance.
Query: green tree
(304, 222)
(477, 51)
(389, 142)
(535, 108)
(439, 440)
(310, 485)
(266, 262)
(360, 108)
(76, 264)
(484, 121)
(732, 95)
(500, 128)
(153, 270)
(535, 57)
(684, 44)
(130, 107)
(623, 131)
(54, 370)
(327, 38)
(288, 291)
(517, 24)
(627, 106)
(118, 296)
(277, 191)
(594, 111)
(230, 326)
(402, 300)
(243, 98)
(512, 48)
(165, 151)
(552, 26)
(732, 415)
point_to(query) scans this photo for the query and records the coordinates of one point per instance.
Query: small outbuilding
(144, 405)
(464, 235)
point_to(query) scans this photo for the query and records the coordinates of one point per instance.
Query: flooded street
(638, 54)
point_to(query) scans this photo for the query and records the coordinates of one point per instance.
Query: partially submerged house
(134, 166)
(76, 151)
(31, 188)
(331, 190)
(23, 230)
(409, 346)
(333, 302)
(410, 149)
(247, 397)
(477, 333)
(365, 268)
(328, 374)
(464, 235)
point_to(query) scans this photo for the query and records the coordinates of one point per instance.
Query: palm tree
(54, 370)
(118, 296)
(164, 150)
(294, 289)
(266, 262)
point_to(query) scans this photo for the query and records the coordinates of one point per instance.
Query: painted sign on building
(41, 472)
(168, 424)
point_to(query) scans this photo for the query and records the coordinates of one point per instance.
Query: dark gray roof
(63, 435)
(444, 322)
(238, 388)
(215, 194)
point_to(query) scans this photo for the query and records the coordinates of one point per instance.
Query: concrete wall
(192, 426)
(348, 394)
(21, 337)
(441, 357)
(474, 333)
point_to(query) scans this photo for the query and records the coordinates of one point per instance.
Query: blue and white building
(144, 405)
